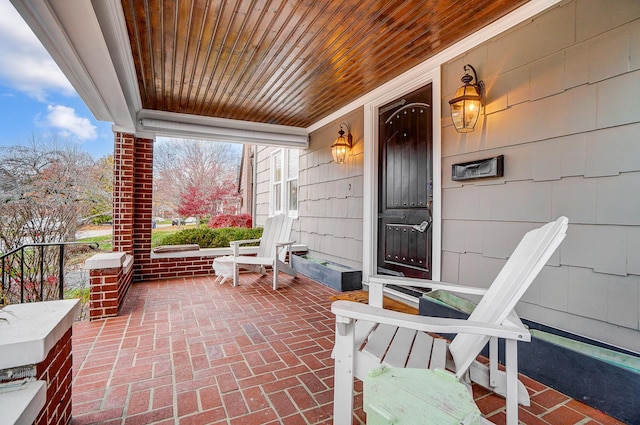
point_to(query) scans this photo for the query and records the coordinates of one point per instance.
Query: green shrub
(211, 238)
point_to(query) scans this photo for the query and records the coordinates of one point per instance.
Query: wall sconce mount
(342, 145)
(466, 103)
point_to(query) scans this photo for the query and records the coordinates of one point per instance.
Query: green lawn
(106, 241)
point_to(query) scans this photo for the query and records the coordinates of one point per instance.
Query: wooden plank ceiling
(289, 62)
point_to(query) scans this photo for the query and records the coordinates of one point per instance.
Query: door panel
(405, 171)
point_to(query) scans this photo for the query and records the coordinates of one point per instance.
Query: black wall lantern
(342, 145)
(466, 104)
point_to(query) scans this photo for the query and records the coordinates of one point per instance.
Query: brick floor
(191, 351)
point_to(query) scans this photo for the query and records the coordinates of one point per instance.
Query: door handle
(422, 227)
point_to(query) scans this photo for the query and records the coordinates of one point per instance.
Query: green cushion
(417, 396)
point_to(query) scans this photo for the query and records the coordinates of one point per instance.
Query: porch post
(143, 208)
(133, 199)
(123, 184)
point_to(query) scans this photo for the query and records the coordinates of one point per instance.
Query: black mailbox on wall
(489, 167)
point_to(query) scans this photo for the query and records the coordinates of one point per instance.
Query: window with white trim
(284, 182)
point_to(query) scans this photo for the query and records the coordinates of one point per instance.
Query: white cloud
(66, 120)
(26, 65)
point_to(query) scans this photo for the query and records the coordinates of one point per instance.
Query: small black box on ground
(334, 275)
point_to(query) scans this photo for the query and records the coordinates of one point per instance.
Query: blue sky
(36, 99)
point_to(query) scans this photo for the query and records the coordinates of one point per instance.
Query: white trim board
(223, 130)
(71, 34)
(370, 208)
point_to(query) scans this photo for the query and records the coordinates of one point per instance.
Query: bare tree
(182, 166)
(45, 188)
(100, 195)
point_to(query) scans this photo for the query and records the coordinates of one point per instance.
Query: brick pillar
(103, 300)
(110, 276)
(133, 199)
(123, 192)
(132, 228)
(37, 363)
(142, 216)
(55, 370)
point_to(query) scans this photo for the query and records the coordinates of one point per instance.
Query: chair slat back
(276, 229)
(284, 235)
(531, 254)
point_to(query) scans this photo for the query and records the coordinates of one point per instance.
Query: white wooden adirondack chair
(368, 336)
(271, 252)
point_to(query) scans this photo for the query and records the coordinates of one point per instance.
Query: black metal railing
(29, 272)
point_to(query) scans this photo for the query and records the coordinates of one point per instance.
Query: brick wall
(164, 268)
(133, 208)
(142, 215)
(103, 299)
(56, 371)
(108, 288)
(123, 185)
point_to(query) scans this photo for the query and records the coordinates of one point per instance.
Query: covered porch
(191, 351)
(561, 106)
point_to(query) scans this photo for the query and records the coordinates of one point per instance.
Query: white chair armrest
(357, 311)
(426, 284)
(281, 244)
(235, 245)
(377, 284)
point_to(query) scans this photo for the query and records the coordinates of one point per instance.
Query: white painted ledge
(30, 330)
(107, 260)
(21, 402)
(217, 252)
(202, 252)
(128, 263)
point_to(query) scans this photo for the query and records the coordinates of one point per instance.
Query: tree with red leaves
(230, 220)
(194, 202)
(195, 178)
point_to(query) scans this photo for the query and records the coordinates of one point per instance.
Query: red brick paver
(191, 351)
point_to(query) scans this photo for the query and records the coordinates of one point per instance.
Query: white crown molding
(114, 29)
(71, 33)
(171, 124)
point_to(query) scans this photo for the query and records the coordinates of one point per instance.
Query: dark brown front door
(405, 171)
